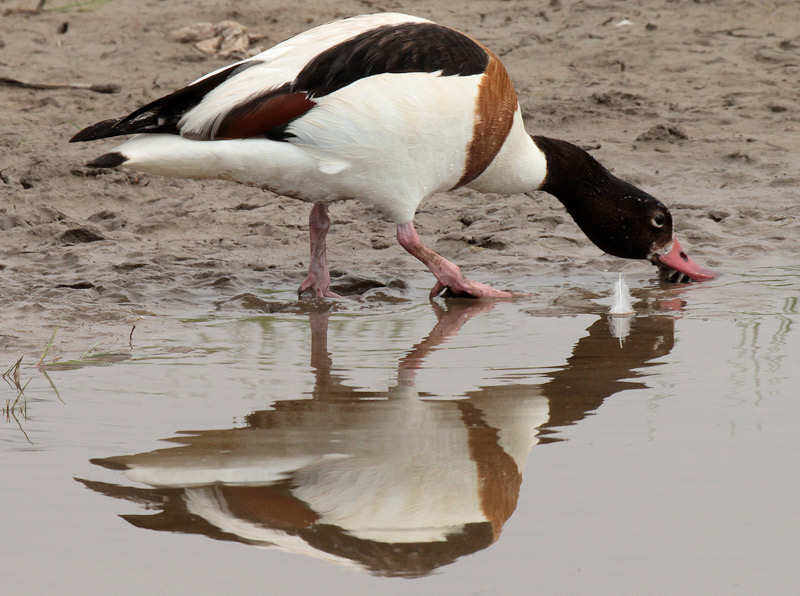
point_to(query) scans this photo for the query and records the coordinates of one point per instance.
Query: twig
(99, 88)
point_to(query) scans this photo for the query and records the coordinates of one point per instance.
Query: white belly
(393, 139)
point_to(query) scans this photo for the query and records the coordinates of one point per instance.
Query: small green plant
(49, 343)
(11, 376)
(87, 6)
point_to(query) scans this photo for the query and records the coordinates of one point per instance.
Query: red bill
(680, 263)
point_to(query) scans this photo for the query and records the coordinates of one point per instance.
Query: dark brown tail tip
(101, 130)
(108, 160)
(109, 464)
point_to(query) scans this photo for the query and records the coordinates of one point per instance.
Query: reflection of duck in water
(392, 482)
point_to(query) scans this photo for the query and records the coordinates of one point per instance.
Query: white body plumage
(390, 139)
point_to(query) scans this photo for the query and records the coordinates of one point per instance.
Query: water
(524, 447)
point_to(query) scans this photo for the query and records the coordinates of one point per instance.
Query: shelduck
(388, 109)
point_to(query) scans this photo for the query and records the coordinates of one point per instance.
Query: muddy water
(395, 446)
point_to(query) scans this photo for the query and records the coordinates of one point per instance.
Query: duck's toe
(468, 288)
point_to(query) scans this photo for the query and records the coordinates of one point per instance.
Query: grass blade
(50, 343)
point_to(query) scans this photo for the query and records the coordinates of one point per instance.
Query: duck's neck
(606, 208)
(574, 177)
(526, 163)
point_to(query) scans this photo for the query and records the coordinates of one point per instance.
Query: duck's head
(619, 218)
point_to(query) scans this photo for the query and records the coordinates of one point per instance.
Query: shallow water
(402, 447)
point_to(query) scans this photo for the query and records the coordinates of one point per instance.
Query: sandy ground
(698, 102)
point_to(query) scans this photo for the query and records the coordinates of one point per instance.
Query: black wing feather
(404, 48)
(163, 114)
(409, 47)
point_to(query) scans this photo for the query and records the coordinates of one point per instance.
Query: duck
(387, 109)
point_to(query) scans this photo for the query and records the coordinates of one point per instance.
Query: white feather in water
(621, 311)
(621, 304)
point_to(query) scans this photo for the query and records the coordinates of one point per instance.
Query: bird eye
(658, 220)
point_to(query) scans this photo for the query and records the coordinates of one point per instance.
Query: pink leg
(318, 279)
(448, 275)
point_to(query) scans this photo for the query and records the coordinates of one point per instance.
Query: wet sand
(695, 102)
